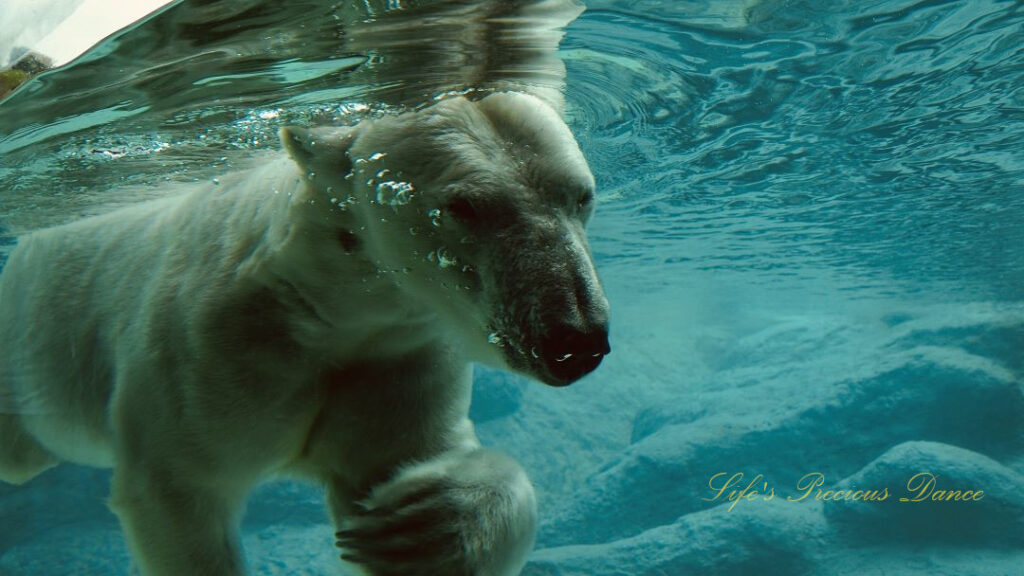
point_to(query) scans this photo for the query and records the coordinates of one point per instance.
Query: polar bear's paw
(466, 513)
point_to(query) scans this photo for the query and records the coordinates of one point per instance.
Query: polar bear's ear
(310, 147)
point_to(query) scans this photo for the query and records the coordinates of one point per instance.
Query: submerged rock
(496, 394)
(750, 540)
(937, 492)
(793, 423)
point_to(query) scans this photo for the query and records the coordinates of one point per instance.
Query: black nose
(571, 353)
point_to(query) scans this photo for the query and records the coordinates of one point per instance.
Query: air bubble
(445, 259)
(435, 217)
(564, 357)
(394, 193)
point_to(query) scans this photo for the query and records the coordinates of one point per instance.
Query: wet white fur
(204, 342)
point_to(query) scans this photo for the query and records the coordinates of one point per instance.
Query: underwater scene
(804, 354)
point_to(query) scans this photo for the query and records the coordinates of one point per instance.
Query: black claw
(355, 559)
(401, 538)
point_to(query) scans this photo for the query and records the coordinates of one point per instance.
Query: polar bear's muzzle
(559, 310)
(569, 353)
(564, 347)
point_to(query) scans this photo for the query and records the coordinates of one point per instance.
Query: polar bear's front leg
(464, 513)
(174, 528)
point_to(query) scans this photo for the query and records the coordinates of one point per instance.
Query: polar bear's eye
(586, 199)
(462, 209)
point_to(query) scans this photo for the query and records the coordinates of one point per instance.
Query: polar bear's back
(58, 293)
(78, 301)
(111, 317)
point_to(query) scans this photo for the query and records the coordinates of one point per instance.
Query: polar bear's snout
(557, 308)
(571, 353)
(574, 340)
(575, 337)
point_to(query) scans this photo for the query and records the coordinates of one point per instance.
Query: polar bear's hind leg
(21, 456)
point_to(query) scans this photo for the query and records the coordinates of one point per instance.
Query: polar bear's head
(477, 209)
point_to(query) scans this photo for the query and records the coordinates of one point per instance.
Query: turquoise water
(810, 227)
(872, 148)
(874, 144)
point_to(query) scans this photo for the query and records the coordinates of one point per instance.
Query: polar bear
(315, 315)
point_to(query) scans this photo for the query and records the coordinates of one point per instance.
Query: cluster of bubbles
(344, 203)
(443, 257)
(394, 193)
(115, 151)
(390, 190)
(257, 129)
